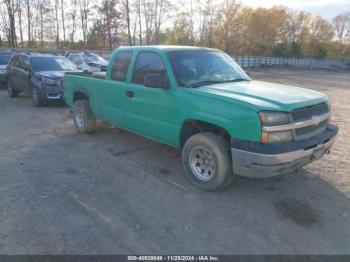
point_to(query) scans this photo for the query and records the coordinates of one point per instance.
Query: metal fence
(307, 63)
(243, 61)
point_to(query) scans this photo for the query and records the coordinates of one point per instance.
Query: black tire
(11, 91)
(216, 152)
(36, 98)
(84, 120)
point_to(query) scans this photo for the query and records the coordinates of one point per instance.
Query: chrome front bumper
(251, 164)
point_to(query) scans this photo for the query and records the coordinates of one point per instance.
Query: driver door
(149, 111)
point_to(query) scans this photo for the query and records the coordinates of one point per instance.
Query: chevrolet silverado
(202, 102)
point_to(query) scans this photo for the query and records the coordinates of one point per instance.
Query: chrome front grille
(308, 112)
(305, 122)
(310, 131)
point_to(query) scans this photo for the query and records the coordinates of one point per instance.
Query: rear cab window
(120, 66)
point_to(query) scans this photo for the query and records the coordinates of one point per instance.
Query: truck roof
(167, 48)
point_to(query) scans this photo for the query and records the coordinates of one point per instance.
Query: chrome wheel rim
(79, 119)
(202, 163)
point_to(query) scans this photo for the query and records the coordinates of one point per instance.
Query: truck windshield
(51, 64)
(196, 68)
(4, 59)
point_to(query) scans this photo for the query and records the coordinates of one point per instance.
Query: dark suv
(39, 75)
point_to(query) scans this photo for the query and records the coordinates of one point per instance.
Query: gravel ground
(113, 192)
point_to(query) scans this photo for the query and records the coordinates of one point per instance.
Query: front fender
(240, 121)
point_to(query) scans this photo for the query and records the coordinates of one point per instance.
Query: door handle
(129, 93)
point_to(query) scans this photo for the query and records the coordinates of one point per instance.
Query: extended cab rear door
(113, 99)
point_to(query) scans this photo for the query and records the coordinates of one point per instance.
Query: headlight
(271, 118)
(48, 81)
(274, 137)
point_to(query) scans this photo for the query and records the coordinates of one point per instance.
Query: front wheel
(207, 161)
(37, 100)
(11, 91)
(84, 120)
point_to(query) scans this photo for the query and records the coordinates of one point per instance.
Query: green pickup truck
(200, 101)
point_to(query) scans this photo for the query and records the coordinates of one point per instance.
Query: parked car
(88, 62)
(4, 60)
(199, 100)
(38, 75)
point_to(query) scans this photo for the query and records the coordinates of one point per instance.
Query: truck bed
(90, 84)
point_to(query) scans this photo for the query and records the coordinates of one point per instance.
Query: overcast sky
(326, 8)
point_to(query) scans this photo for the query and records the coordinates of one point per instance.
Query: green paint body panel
(159, 114)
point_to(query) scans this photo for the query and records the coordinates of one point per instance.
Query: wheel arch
(79, 95)
(191, 127)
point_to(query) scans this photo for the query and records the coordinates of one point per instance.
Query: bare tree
(162, 9)
(28, 4)
(73, 16)
(111, 17)
(5, 23)
(126, 7)
(342, 25)
(84, 13)
(12, 8)
(149, 17)
(41, 11)
(191, 22)
(57, 24)
(63, 21)
(20, 22)
(139, 19)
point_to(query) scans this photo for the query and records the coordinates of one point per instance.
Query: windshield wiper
(235, 80)
(206, 82)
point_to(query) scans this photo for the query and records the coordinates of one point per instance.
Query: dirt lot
(115, 192)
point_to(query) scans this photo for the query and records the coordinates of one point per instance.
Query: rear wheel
(84, 120)
(207, 161)
(11, 91)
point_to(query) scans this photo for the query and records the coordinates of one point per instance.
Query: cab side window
(120, 66)
(147, 63)
(24, 63)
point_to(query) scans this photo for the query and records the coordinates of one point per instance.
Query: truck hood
(262, 95)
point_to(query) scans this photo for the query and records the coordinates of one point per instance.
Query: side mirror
(155, 81)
